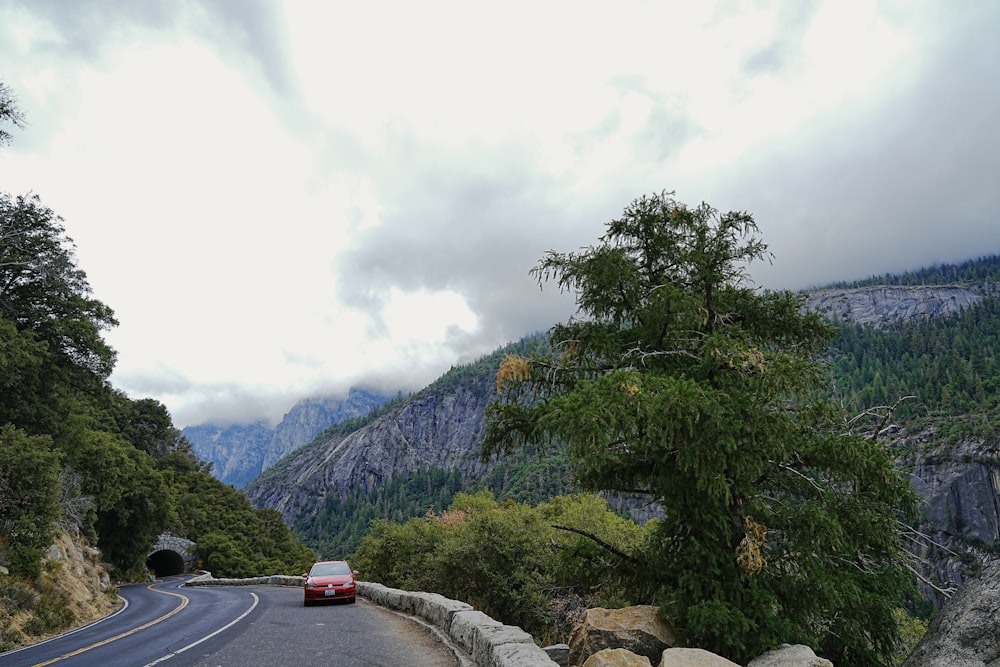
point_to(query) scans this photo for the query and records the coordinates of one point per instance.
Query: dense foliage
(947, 366)
(523, 564)
(679, 381)
(78, 455)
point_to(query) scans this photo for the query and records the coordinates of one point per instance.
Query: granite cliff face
(433, 429)
(879, 306)
(234, 450)
(240, 452)
(960, 486)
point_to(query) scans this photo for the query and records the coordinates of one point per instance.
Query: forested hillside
(944, 369)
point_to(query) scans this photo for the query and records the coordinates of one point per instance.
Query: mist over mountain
(240, 452)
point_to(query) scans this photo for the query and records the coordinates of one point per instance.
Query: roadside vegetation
(536, 567)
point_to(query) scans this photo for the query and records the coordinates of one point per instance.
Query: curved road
(217, 626)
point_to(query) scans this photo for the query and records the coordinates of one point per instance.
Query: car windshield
(320, 569)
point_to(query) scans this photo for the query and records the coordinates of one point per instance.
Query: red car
(330, 580)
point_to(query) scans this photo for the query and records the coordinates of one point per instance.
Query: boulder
(639, 629)
(617, 657)
(790, 655)
(965, 632)
(558, 653)
(693, 657)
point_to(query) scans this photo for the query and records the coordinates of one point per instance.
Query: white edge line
(207, 637)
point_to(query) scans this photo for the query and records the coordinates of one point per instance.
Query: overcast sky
(283, 199)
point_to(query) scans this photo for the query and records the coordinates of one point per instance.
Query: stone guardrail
(489, 642)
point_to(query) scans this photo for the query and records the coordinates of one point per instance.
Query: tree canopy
(678, 380)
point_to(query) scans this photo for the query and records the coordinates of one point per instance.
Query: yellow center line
(184, 603)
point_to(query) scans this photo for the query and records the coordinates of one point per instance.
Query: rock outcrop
(639, 629)
(960, 487)
(879, 306)
(966, 632)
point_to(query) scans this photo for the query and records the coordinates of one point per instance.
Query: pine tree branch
(604, 545)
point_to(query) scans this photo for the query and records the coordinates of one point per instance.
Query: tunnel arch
(170, 556)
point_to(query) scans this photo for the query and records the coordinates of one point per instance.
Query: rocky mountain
(958, 477)
(441, 427)
(883, 305)
(959, 481)
(240, 452)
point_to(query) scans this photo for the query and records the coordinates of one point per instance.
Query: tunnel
(165, 563)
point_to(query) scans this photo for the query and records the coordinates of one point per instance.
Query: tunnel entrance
(165, 563)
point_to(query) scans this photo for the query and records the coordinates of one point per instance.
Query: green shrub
(17, 596)
(51, 615)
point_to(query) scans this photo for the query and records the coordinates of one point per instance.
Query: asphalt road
(222, 626)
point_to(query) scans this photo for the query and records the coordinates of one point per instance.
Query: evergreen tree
(678, 380)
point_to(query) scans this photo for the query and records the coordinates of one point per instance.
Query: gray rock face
(439, 430)
(878, 306)
(960, 487)
(239, 453)
(234, 450)
(966, 632)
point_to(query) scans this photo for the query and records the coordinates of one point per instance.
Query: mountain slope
(240, 452)
(439, 428)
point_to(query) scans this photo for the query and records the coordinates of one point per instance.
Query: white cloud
(279, 199)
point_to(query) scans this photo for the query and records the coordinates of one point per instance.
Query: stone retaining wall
(489, 642)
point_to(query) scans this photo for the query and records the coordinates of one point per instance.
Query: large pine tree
(679, 380)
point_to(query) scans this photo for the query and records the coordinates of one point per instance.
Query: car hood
(325, 579)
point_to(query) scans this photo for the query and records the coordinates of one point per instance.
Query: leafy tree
(47, 299)
(29, 499)
(678, 380)
(130, 526)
